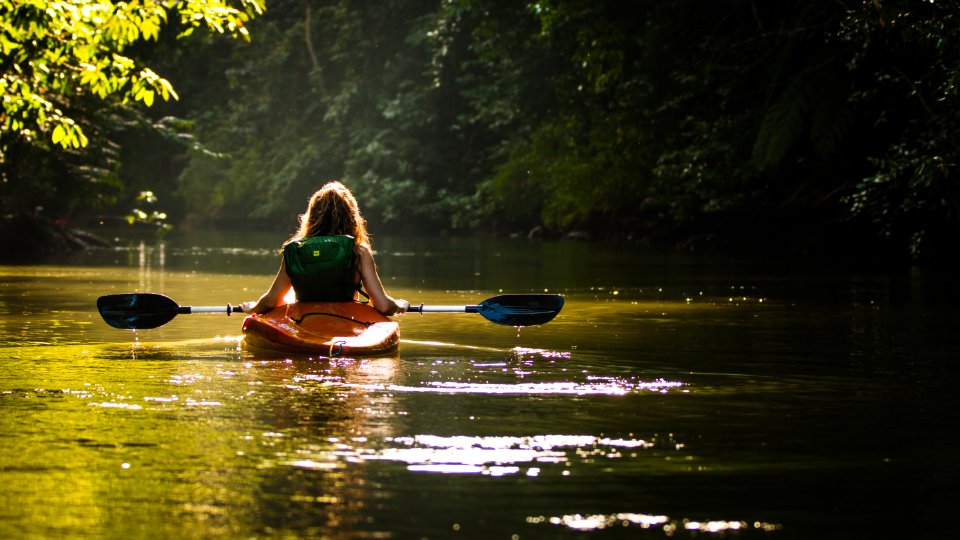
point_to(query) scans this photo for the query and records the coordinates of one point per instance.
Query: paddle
(507, 309)
(149, 310)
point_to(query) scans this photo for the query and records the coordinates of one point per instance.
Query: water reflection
(665, 401)
(613, 388)
(307, 482)
(490, 455)
(151, 262)
(670, 527)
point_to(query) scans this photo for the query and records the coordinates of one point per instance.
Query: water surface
(674, 397)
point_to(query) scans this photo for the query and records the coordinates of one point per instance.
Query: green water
(674, 397)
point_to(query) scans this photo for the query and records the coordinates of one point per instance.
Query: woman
(329, 258)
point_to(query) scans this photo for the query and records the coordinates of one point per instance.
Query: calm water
(674, 397)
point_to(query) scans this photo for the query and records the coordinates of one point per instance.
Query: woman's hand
(379, 298)
(247, 307)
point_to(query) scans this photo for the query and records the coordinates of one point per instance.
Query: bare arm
(274, 295)
(379, 298)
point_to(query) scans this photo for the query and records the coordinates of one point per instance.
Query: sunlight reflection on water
(498, 456)
(670, 526)
(592, 385)
(487, 455)
(613, 389)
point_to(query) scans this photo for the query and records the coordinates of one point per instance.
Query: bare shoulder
(364, 253)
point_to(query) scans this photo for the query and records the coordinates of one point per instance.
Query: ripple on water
(671, 526)
(612, 387)
(484, 455)
(522, 373)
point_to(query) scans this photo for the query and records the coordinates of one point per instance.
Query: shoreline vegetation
(786, 127)
(28, 238)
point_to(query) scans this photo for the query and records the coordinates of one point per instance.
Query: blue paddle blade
(520, 309)
(136, 310)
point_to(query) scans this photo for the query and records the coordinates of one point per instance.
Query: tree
(905, 68)
(337, 89)
(58, 54)
(773, 125)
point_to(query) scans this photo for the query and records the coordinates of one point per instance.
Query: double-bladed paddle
(137, 311)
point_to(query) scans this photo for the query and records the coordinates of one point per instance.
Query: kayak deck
(324, 328)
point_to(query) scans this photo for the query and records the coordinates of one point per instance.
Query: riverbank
(25, 236)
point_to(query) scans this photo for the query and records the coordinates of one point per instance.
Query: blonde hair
(333, 210)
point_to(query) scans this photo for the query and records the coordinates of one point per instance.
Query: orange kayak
(323, 328)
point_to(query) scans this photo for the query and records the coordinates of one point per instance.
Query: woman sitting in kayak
(329, 258)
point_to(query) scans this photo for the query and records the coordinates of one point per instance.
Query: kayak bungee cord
(305, 315)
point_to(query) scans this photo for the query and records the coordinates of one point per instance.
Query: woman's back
(322, 268)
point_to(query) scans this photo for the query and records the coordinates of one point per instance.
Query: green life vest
(322, 268)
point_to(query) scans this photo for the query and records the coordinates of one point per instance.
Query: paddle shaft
(182, 310)
(443, 309)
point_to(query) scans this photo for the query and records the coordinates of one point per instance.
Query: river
(675, 396)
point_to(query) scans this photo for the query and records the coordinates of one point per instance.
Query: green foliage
(59, 56)
(909, 80)
(617, 148)
(765, 123)
(266, 151)
(803, 108)
(347, 97)
(57, 49)
(568, 175)
(642, 118)
(155, 218)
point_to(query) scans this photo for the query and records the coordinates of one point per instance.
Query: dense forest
(789, 126)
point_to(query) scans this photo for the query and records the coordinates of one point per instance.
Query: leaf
(783, 125)
(168, 90)
(829, 126)
(58, 133)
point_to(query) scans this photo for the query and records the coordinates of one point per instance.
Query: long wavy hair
(333, 210)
